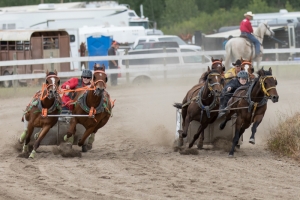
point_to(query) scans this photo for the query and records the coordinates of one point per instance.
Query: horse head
(247, 66)
(52, 84)
(214, 80)
(218, 65)
(268, 84)
(99, 79)
(265, 29)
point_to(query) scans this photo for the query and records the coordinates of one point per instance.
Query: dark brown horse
(97, 104)
(202, 100)
(47, 101)
(217, 64)
(255, 99)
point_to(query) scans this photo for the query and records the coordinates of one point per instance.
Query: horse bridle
(213, 84)
(101, 72)
(264, 89)
(46, 86)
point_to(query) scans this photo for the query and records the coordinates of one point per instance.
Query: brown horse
(203, 99)
(47, 101)
(255, 98)
(217, 64)
(97, 104)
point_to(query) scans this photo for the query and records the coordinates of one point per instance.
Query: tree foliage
(179, 17)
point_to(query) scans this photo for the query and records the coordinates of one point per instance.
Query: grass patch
(284, 139)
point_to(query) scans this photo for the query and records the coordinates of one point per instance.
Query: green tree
(178, 11)
(288, 6)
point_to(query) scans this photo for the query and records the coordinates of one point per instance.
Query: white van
(151, 69)
(164, 38)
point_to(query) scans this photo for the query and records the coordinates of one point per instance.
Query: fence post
(127, 67)
(276, 58)
(15, 84)
(52, 64)
(165, 71)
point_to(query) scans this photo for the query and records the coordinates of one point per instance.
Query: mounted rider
(232, 72)
(72, 84)
(247, 30)
(231, 87)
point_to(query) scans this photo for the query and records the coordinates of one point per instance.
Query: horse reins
(45, 87)
(261, 81)
(101, 72)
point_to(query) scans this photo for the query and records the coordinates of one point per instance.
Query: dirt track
(133, 156)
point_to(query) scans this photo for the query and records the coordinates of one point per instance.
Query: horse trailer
(33, 44)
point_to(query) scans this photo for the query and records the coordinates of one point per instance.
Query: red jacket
(73, 83)
(246, 26)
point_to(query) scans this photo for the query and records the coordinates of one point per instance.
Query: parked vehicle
(153, 45)
(164, 38)
(154, 68)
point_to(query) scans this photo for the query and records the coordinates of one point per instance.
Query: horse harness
(198, 98)
(256, 105)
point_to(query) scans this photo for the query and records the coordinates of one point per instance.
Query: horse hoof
(230, 155)
(252, 141)
(200, 146)
(89, 146)
(84, 148)
(32, 155)
(180, 142)
(222, 126)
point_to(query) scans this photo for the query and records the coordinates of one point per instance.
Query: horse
(96, 102)
(241, 47)
(44, 102)
(255, 98)
(203, 99)
(245, 66)
(217, 64)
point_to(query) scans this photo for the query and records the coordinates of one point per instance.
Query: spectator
(113, 64)
(224, 43)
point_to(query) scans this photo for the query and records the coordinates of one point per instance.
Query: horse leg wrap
(36, 136)
(25, 148)
(32, 154)
(91, 138)
(69, 140)
(22, 137)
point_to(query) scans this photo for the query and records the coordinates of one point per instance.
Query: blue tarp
(98, 46)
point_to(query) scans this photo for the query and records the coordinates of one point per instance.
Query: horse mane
(265, 72)
(205, 75)
(101, 68)
(51, 73)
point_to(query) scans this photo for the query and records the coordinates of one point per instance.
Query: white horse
(237, 48)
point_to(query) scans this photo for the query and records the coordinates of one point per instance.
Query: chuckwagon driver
(231, 87)
(74, 83)
(232, 72)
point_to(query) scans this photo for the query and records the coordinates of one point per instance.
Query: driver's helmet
(87, 73)
(242, 74)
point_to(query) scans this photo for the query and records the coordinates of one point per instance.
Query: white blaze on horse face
(53, 82)
(246, 67)
(216, 78)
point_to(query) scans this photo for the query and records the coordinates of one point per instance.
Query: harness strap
(253, 112)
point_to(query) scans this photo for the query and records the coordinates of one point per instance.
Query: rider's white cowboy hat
(249, 14)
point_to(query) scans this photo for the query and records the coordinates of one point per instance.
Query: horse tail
(178, 105)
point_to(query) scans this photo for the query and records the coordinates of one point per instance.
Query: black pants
(224, 98)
